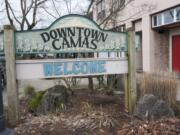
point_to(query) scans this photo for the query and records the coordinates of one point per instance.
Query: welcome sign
(56, 68)
(74, 68)
(69, 34)
(72, 33)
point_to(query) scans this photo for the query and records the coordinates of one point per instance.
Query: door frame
(171, 34)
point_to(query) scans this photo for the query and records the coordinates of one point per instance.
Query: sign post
(12, 94)
(130, 78)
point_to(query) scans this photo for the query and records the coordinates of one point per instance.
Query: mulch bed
(96, 114)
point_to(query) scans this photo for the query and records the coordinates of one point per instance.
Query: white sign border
(33, 69)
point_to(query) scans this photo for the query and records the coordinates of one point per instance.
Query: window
(159, 19)
(101, 9)
(117, 4)
(121, 28)
(178, 13)
(168, 17)
(155, 21)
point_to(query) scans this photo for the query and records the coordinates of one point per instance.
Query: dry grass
(161, 84)
(86, 107)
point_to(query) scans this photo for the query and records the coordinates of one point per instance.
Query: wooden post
(126, 93)
(130, 78)
(12, 93)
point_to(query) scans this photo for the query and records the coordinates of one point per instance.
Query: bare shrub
(29, 92)
(161, 84)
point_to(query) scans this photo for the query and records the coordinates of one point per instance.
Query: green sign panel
(72, 33)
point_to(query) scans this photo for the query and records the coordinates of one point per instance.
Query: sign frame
(123, 47)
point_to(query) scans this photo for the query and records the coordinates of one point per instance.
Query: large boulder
(161, 109)
(55, 99)
(145, 105)
(150, 107)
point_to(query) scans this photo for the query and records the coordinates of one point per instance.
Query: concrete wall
(137, 9)
(161, 51)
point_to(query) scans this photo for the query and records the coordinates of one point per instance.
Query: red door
(176, 53)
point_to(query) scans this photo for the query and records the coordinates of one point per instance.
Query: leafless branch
(27, 8)
(68, 5)
(49, 13)
(54, 5)
(8, 12)
(114, 13)
(90, 6)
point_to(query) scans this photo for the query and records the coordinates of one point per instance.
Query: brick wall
(161, 51)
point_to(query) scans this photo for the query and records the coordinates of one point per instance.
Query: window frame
(161, 20)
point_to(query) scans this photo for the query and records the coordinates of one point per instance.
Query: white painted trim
(175, 17)
(163, 19)
(67, 60)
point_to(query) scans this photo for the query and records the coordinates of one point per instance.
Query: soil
(88, 114)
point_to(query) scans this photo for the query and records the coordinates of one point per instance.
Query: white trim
(163, 19)
(172, 33)
(68, 60)
(175, 17)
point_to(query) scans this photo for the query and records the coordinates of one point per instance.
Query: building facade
(157, 22)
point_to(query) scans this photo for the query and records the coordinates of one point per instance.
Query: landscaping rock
(150, 107)
(55, 99)
(145, 105)
(161, 109)
(176, 108)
